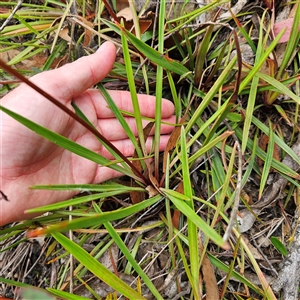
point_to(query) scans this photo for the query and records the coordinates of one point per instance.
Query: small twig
(11, 15)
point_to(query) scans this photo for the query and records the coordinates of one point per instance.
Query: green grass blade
(249, 112)
(222, 266)
(78, 201)
(116, 237)
(279, 86)
(177, 103)
(93, 219)
(267, 162)
(202, 54)
(277, 139)
(64, 142)
(96, 267)
(213, 91)
(192, 228)
(260, 62)
(153, 55)
(292, 43)
(134, 98)
(191, 215)
(111, 151)
(89, 187)
(65, 295)
(159, 87)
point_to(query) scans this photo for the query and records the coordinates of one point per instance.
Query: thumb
(74, 78)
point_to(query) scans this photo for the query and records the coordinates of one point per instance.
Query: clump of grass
(194, 192)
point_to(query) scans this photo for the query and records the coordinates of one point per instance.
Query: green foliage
(218, 98)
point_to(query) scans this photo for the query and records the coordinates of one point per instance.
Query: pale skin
(27, 159)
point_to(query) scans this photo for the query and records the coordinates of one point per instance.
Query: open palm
(28, 159)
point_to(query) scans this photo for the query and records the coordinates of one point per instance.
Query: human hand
(28, 159)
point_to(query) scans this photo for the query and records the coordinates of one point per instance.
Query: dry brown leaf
(125, 13)
(176, 218)
(145, 22)
(151, 191)
(209, 277)
(256, 254)
(176, 213)
(64, 34)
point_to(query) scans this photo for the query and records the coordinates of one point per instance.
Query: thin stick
(11, 15)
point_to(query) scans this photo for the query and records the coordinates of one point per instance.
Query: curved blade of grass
(64, 142)
(242, 30)
(96, 267)
(151, 54)
(115, 236)
(35, 293)
(97, 219)
(188, 18)
(292, 43)
(279, 86)
(204, 149)
(218, 115)
(260, 62)
(26, 286)
(267, 162)
(279, 245)
(192, 228)
(249, 112)
(209, 232)
(209, 145)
